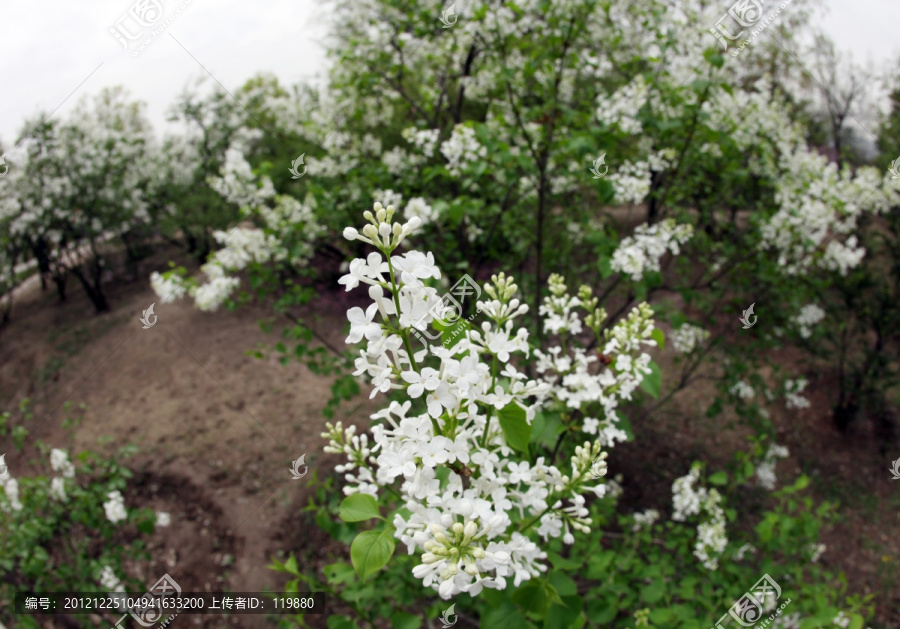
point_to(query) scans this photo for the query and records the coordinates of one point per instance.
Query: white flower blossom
(60, 463)
(809, 316)
(462, 149)
(641, 253)
(793, 389)
(688, 337)
(115, 507)
(58, 489)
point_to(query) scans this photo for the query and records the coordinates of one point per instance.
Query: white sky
(49, 48)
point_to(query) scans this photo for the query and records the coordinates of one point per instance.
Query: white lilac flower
(789, 621)
(424, 140)
(462, 531)
(109, 581)
(688, 337)
(388, 197)
(793, 389)
(58, 489)
(641, 252)
(689, 501)
(645, 519)
(743, 550)
(765, 471)
(841, 620)
(621, 107)
(11, 488)
(417, 206)
(115, 507)
(238, 184)
(742, 390)
(167, 288)
(809, 316)
(817, 550)
(60, 463)
(163, 518)
(462, 149)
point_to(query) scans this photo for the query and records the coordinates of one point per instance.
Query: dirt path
(217, 429)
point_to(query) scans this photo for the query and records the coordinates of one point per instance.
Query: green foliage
(63, 545)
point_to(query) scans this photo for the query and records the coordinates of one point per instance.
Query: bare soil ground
(217, 431)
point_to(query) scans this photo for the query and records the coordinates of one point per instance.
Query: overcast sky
(56, 51)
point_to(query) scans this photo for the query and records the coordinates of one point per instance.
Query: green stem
(490, 411)
(404, 334)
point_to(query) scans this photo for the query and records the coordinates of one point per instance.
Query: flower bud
(370, 232)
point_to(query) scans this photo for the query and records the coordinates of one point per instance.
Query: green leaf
(719, 478)
(856, 621)
(714, 57)
(564, 563)
(661, 616)
(146, 526)
(516, 429)
(371, 550)
(503, 616)
(402, 620)
(536, 595)
(660, 338)
(545, 428)
(341, 622)
(565, 615)
(652, 381)
(563, 584)
(653, 592)
(338, 573)
(605, 267)
(358, 507)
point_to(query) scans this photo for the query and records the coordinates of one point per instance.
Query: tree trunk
(93, 289)
(60, 279)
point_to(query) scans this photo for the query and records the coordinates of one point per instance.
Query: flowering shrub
(77, 184)
(483, 509)
(473, 417)
(50, 529)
